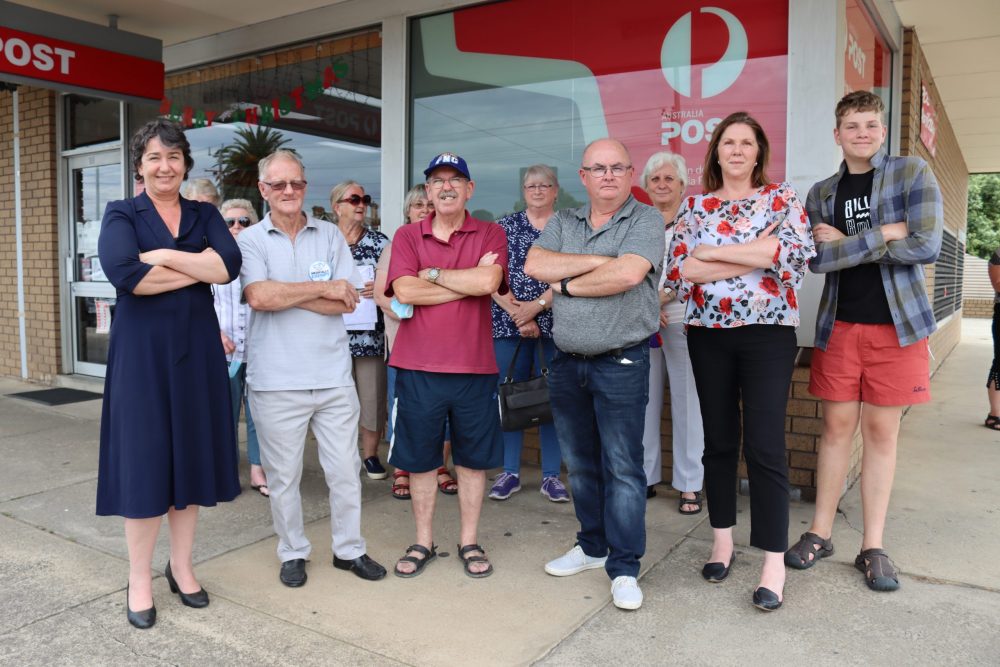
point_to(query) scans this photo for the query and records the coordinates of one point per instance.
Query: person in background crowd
(875, 222)
(234, 322)
(605, 257)
(349, 202)
(299, 277)
(665, 179)
(737, 257)
(524, 314)
(993, 380)
(167, 439)
(202, 189)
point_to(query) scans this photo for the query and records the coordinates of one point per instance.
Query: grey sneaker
(573, 562)
(554, 490)
(626, 593)
(505, 486)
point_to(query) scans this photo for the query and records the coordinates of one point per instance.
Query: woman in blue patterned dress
(526, 313)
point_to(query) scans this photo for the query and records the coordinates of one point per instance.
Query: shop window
(949, 271)
(91, 120)
(497, 85)
(868, 59)
(321, 99)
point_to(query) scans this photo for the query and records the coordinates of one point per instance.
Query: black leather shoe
(293, 573)
(766, 599)
(140, 619)
(196, 600)
(716, 572)
(363, 566)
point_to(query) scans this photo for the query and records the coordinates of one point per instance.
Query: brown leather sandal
(880, 573)
(810, 543)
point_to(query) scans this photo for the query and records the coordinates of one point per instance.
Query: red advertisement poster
(928, 119)
(866, 56)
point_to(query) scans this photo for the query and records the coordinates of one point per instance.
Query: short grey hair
(203, 187)
(543, 170)
(281, 153)
(658, 160)
(239, 203)
(413, 195)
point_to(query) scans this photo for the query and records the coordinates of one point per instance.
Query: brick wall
(40, 236)
(977, 307)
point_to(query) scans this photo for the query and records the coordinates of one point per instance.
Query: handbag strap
(542, 368)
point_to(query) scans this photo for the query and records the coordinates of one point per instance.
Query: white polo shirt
(296, 349)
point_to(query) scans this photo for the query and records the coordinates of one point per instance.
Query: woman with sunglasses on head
(348, 204)
(234, 322)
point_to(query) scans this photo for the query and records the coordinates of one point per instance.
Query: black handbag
(525, 403)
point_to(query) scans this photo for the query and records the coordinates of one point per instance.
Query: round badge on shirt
(319, 271)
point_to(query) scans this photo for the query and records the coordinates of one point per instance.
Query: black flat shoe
(363, 566)
(196, 600)
(144, 619)
(766, 599)
(293, 573)
(716, 572)
(650, 491)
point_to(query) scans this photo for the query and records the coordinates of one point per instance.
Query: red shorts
(864, 362)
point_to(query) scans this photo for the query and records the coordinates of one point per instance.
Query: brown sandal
(880, 573)
(400, 490)
(810, 543)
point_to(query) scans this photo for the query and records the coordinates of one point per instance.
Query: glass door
(95, 178)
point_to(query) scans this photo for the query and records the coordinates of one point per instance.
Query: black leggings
(993, 380)
(752, 364)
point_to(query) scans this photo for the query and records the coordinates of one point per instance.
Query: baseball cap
(448, 160)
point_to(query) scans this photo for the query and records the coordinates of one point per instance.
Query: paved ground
(63, 570)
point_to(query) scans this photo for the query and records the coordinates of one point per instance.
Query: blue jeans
(598, 405)
(238, 392)
(527, 359)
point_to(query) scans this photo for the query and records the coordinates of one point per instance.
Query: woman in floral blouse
(737, 258)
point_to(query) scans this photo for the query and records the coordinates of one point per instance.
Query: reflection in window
(90, 120)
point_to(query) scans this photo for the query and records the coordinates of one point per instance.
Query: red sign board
(48, 61)
(928, 119)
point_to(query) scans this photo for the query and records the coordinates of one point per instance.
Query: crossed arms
(592, 275)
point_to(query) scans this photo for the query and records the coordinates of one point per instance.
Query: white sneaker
(625, 593)
(572, 562)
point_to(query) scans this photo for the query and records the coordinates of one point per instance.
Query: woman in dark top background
(993, 381)
(167, 439)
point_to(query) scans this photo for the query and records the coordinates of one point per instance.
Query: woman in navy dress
(168, 445)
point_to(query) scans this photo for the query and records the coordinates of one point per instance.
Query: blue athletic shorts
(426, 402)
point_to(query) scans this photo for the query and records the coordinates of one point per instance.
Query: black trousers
(752, 364)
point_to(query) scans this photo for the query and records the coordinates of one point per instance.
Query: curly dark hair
(170, 134)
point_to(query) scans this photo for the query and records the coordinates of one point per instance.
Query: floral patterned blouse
(520, 236)
(762, 296)
(366, 252)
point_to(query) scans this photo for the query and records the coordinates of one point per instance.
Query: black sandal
(880, 573)
(469, 560)
(690, 501)
(798, 556)
(992, 422)
(419, 563)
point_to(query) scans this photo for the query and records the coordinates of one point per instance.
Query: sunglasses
(354, 200)
(243, 221)
(280, 186)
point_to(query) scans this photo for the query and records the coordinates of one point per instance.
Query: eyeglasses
(538, 187)
(354, 200)
(280, 186)
(242, 221)
(454, 181)
(599, 170)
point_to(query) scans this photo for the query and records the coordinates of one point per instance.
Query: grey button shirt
(592, 325)
(295, 348)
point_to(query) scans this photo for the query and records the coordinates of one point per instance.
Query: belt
(615, 353)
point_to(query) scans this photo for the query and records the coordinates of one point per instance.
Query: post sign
(928, 120)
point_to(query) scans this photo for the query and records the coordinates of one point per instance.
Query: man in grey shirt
(298, 276)
(603, 261)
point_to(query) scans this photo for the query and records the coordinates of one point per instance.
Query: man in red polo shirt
(446, 267)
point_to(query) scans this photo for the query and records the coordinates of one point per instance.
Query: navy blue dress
(167, 436)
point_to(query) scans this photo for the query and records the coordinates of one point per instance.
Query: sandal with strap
(696, 501)
(993, 422)
(467, 561)
(418, 563)
(810, 543)
(880, 573)
(448, 487)
(400, 490)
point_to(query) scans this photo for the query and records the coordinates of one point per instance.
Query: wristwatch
(542, 303)
(562, 287)
(433, 274)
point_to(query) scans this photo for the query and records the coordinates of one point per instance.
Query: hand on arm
(756, 254)
(161, 279)
(205, 266)
(612, 277)
(529, 330)
(529, 310)
(551, 267)
(451, 284)
(271, 295)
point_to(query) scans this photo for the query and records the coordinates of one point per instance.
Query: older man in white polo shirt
(298, 277)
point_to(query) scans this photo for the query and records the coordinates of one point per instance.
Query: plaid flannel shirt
(904, 190)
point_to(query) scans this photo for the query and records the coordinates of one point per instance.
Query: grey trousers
(685, 413)
(283, 419)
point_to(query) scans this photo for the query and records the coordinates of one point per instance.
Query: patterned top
(762, 296)
(366, 253)
(904, 190)
(234, 317)
(520, 236)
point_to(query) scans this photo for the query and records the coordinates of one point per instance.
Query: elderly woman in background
(416, 207)
(167, 439)
(202, 189)
(665, 179)
(523, 315)
(348, 203)
(737, 258)
(234, 322)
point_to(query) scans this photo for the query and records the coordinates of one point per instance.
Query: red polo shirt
(453, 337)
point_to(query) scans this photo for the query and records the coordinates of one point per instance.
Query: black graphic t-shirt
(860, 296)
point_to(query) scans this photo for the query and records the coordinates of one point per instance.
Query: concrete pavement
(63, 570)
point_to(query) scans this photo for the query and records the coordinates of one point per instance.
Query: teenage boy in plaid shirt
(875, 223)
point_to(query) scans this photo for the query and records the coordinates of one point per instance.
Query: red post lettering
(276, 107)
(251, 116)
(329, 78)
